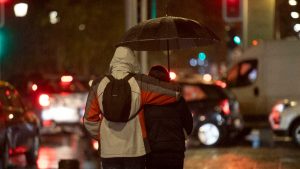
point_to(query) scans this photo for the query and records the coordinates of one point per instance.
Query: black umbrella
(167, 33)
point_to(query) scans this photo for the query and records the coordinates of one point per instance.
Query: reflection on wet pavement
(237, 156)
(243, 158)
(58, 147)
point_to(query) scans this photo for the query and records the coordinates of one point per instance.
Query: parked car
(60, 101)
(19, 129)
(215, 112)
(285, 119)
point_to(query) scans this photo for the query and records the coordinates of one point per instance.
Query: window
(243, 74)
(191, 92)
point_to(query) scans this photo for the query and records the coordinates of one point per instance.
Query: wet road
(243, 158)
(239, 155)
(61, 146)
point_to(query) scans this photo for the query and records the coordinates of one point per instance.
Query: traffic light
(202, 56)
(233, 39)
(237, 40)
(232, 10)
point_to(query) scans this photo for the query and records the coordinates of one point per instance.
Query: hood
(124, 61)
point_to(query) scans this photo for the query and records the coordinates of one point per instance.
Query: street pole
(130, 13)
(245, 24)
(144, 54)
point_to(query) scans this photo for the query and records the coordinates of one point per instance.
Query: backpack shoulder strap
(110, 77)
(126, 78)
(129, 76)
(132, 117)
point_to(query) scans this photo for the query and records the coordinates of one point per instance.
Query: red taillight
(44, 100)
(275, 116)
(225, 107)
(47, 123)
(3, 1)
(17, 150)
(221, 83)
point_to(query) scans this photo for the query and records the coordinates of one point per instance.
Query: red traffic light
(232, 10)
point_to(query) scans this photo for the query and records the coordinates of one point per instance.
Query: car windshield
(202, 92)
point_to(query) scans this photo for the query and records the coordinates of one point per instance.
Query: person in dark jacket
(167, 127)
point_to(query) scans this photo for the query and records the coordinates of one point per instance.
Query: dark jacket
(165, 125)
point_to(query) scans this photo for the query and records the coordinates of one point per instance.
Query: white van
(264, 74)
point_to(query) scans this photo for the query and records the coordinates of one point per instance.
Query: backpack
(117, 99)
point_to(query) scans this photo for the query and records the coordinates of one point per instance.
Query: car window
(202, 92)
(243, 74)
(56, 86)
(214, 92)
(192, 92)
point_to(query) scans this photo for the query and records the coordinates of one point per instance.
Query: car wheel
(296, 133)
(32, 154)
(209, 134)
(4, 157)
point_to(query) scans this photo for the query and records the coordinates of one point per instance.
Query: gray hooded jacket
(125, 139)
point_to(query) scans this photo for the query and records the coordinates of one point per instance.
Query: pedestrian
(167, 127)
(123, 145)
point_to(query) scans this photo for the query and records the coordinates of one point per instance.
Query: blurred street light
(255, 42)
(21, 9)
(53, 16)
(81, 27)
(193, 62)
(297, 27)
(293, 2)
(295, 15)
(207, 77)
(201, 62)
(172, 75)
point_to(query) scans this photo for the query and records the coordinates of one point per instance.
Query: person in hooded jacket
(124, 145)
(167, 126)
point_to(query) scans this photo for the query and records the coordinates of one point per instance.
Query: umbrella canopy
(166, 33)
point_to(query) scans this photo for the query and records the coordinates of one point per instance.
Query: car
(60, 101)
(285, 119)
(19, 128)
(215, 111)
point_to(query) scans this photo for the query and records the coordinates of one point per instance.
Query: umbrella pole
(168, 55)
